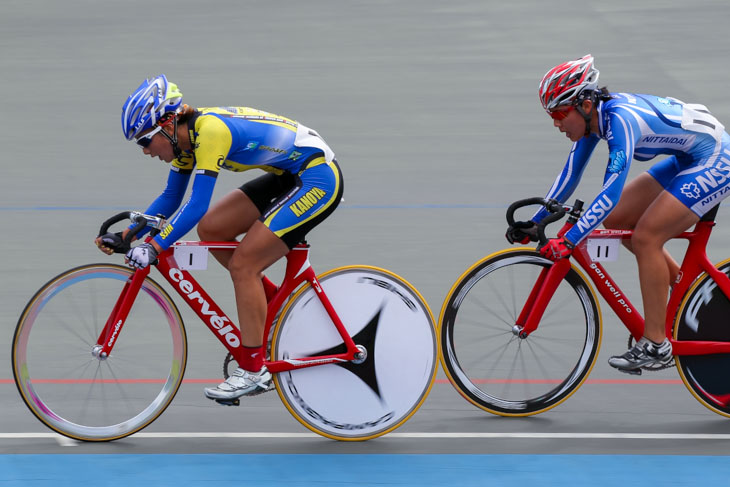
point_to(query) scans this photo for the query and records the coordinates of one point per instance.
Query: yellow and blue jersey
(238, 139)
(241, 138)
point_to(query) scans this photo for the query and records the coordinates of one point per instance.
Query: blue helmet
(154, 98)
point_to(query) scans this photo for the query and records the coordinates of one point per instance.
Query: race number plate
(603, 249)
(191, 258)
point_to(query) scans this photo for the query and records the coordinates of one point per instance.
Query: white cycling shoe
(644, 353)
(241, 383)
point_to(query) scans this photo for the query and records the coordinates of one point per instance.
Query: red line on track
(438, 381)
(589, 381)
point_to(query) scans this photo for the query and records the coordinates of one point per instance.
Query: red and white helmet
(565, 82)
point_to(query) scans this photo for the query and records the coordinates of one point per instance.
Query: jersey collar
(191, 129)
(601, 124)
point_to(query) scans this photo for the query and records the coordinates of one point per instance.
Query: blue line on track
(62, 208)
(356, 470)
(345, 206)
(483, 206)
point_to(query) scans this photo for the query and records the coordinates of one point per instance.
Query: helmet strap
(173, 138)
(586, 117)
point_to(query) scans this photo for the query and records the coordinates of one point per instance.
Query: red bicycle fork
(695, 262)
(298, 271)
(541, 294)
(114, 324)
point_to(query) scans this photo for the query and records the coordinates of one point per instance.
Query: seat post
(297, 260)
(710, 215)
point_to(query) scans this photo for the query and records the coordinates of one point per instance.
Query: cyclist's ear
(169, 128)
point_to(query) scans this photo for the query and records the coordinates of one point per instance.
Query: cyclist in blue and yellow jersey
(664, 201)
(303, 186)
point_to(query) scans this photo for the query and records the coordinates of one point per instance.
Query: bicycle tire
(77, 394)
(349, 401)
(494, 369)
(703, 315)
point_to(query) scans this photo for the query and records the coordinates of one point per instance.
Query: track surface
(432, 110)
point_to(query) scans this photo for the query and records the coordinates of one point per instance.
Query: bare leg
(636, 197)
(258, 250)
(663, 219)
(228, 218)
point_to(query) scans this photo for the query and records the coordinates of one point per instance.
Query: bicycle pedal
(258, 392)
(228, 402)
(631, 372)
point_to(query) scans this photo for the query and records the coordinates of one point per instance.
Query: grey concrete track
(432, 110)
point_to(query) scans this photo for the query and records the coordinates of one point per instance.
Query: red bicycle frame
(695, 262)
(298, 270)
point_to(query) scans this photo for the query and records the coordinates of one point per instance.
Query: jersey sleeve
(169, 201)
(623, 134)
(191, 213)
(569, 177)
(212, 144)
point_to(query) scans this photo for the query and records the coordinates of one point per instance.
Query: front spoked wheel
(482, 353)
(390, 322)
(703, 315)
(62, 378)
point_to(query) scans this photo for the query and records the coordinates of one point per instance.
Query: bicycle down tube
(298, 270)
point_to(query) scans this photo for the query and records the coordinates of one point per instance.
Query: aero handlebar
(554, 207)
(140, 221)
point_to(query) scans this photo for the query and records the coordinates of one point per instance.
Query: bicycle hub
(361, 356)
(96, 352)
(517, 331)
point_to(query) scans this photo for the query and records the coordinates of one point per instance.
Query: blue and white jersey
(642, 127)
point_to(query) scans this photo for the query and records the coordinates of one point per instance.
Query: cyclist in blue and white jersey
(664, 201)
(302, 187)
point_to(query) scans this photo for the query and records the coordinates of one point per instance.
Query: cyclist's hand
(522, 232)
(112, 243)
(556, 249)
(141, 256)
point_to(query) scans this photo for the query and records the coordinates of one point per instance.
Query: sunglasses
(146, 139)
(560, 114)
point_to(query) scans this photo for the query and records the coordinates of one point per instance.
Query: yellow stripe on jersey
(273, 122)
(314, 163)
(333, 195)
(255, 115)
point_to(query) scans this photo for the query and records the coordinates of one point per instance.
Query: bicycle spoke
(501, 351)
(481, 305)
(497, 370)
(122, 393)
(541, 368)
(69, 389)
(473, 361)
(503, 302)
(87, 397)
(516, 289)
(512, 369)
(481, 326)
(68, 327)
(85, 404)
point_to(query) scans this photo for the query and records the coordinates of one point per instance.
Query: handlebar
(140, 221)
(556, 209)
